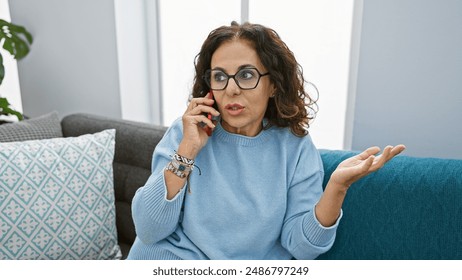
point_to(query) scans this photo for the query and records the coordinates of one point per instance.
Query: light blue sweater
(253, 198)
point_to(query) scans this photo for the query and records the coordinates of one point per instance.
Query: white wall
(72, 66)
(132, 51)
(409, 86)
(139, 61)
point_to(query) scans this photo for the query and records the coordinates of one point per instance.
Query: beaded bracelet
(175, 170)
(183, 159)
(180, 165)
(179, 170)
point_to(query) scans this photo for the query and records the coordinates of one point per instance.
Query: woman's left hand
(356, 167)
(346, 173)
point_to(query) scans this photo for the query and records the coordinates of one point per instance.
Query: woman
(253, 188)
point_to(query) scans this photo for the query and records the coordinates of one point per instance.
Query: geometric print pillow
(57, 198)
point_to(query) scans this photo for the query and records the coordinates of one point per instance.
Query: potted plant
(16, 40)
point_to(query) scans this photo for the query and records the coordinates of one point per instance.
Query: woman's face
(242, 111)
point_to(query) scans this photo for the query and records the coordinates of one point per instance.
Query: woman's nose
(232, 88)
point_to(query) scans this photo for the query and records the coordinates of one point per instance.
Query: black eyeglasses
(246, 78)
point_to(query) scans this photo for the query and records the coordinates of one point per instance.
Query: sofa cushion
(57, 198)
(409, 209)
(43, 127)
(135, 143)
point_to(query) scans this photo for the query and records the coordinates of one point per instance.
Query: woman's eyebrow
(219, 68)
(246, 66)
(238, 69)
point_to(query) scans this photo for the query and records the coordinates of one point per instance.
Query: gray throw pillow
(43, 127)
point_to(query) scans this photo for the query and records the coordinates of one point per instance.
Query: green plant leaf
(21, 30)
(5, 109)
(15, 39)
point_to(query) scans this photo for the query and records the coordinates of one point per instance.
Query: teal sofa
(409, 209)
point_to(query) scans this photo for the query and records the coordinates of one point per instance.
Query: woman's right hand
(194, 123)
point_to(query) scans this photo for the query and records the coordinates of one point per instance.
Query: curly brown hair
(291, 106)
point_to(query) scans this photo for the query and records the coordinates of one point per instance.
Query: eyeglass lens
(246, 78)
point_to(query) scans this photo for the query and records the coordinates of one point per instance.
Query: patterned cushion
(43, 127)
(57, 198)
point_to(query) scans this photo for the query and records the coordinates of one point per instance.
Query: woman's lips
(234, 109)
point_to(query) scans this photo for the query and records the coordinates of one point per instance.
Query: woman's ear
(273, 91)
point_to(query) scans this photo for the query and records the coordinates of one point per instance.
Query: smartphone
(208, 130)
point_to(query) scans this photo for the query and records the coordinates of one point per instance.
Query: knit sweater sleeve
(302, 234)
(155, 217)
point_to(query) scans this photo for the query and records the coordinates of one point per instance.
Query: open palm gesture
(356, 167)
(346, 173)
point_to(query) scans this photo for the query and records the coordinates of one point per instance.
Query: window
(318, 32)
(184, 25)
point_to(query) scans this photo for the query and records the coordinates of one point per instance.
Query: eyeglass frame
(208, 72)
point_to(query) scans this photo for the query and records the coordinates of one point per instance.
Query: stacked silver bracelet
(180, 165)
